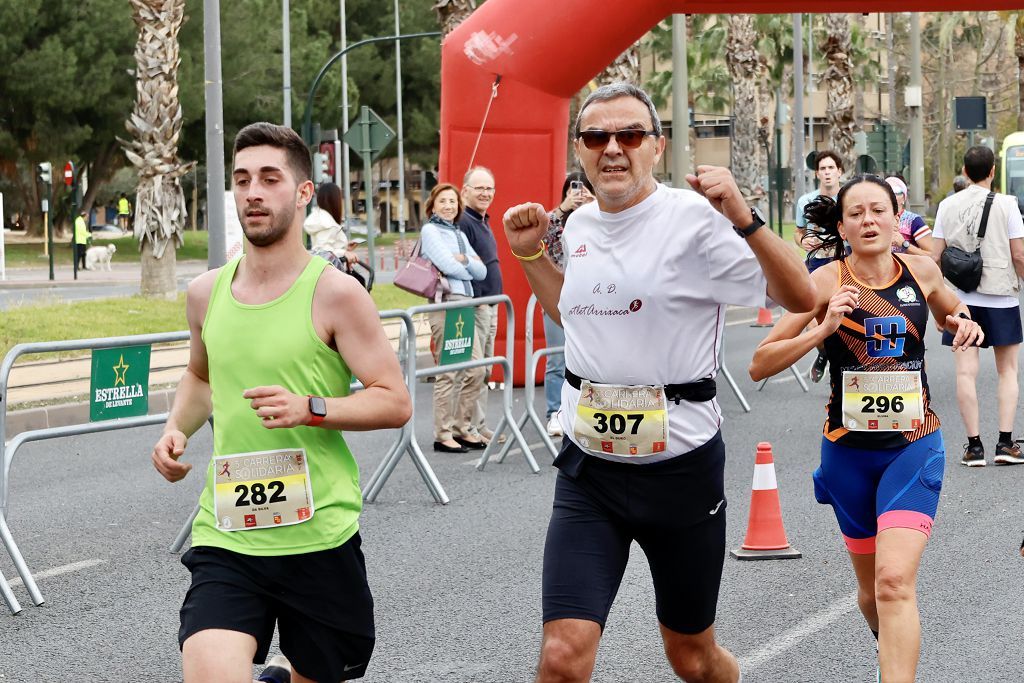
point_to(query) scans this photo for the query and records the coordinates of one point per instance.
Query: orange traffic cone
(766, 538)
(764, 318)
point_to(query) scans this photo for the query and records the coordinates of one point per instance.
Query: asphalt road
(457, 587)
(9, 298)
(63, 291)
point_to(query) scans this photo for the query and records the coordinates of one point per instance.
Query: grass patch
(89, 319)
(124, 316)
(387, 296)
(390, 238)
(30, 254)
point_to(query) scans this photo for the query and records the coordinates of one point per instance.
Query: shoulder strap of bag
(415, 250)
(984, 215)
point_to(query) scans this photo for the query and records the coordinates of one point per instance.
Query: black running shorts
(674, 509)
(1002, 326)
(320, 602)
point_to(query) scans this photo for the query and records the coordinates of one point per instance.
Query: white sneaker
(554, 426)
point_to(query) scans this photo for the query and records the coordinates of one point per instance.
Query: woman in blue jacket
(447, 248)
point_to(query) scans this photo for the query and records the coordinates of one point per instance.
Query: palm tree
(838, 77)
(451, 13)
(745, 68)
(775, 45)
(1016, 22)
(1018, 51)
(709, 81)
(625, 67)
(155, 125)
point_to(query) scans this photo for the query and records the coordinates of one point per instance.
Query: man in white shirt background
(995, 304)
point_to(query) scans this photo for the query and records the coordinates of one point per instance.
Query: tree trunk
(745, 69)
(155, 125)
(838, 78)
(451, 13)
(691, 99)
(158, 274)
(765, 125)
(1018, 50)
(858, 87)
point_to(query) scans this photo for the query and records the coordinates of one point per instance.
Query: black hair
(826, 213)
(280, 137)
(328, 198)
(978, 162)
(828, 154)
(569, 178)
(576, 175)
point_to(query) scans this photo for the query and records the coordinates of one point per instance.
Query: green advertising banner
(120, 383)
(457, 344)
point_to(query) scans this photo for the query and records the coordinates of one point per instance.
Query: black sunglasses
(630, 138)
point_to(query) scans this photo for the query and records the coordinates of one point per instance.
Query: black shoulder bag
(963, 268)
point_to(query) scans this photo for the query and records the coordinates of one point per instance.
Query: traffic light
(45, 172)
(321, 168)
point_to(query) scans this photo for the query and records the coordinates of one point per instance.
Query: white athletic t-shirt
(643, 303)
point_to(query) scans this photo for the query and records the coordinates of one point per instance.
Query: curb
(72, 414)
(53, 284)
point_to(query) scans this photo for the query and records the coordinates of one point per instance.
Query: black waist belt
(701, 390)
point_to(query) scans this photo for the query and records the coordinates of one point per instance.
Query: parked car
(105, 231)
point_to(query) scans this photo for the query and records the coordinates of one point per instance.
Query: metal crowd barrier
(8, 449)
(387, 466)
(796, 373)
(532, 359)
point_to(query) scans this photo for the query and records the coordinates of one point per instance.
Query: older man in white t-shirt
(649, 272)
(995, 304)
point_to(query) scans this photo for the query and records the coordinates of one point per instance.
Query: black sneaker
(974, 456)
(818, 369)
(1008, 454)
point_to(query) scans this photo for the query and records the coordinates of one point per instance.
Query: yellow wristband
(543, 248)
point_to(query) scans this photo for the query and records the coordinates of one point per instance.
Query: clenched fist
(525, 227)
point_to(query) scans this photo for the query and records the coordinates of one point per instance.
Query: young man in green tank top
(276, 339)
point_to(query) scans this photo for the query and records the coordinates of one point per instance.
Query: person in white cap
(912, 235)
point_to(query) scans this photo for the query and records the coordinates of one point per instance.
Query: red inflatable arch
(544, 51)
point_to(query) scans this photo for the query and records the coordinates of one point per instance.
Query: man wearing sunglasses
(649, 271)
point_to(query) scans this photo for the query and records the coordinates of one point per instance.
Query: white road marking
(57, 571)
(790, 638)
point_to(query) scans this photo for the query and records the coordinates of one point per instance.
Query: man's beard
(270, 234)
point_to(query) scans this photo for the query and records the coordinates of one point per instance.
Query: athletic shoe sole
(1007, 460)
(973, 463)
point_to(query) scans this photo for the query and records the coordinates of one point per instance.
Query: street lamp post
(401, 136)
(286, 67)
(341, 171)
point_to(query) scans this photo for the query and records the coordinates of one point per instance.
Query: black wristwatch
(757, 220)
(317, 410)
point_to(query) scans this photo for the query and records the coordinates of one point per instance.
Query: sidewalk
(38, 277)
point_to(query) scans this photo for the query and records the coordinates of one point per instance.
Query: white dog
(98, 257)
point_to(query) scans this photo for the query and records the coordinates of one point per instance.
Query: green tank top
(266, 344)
